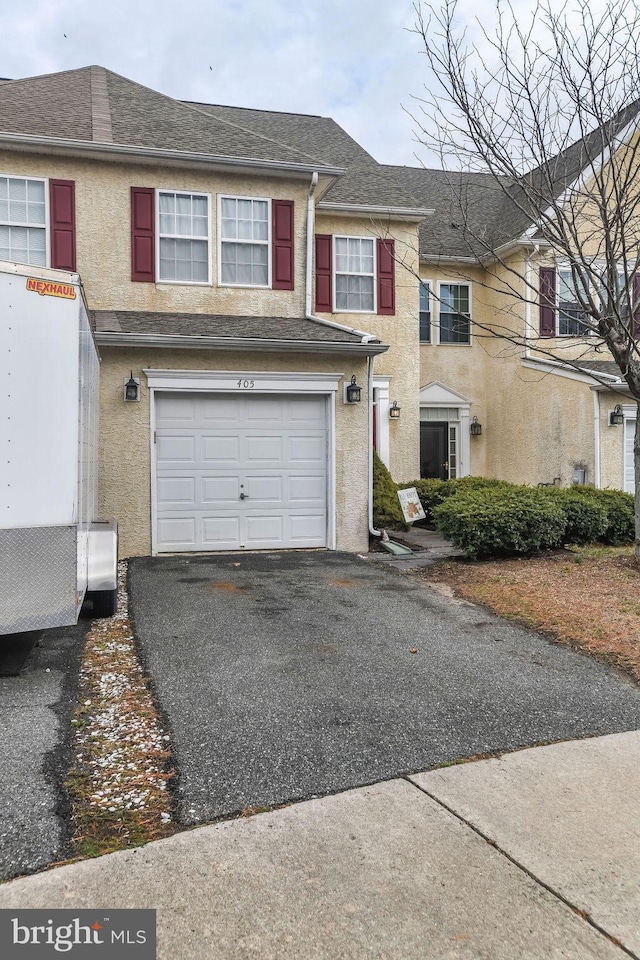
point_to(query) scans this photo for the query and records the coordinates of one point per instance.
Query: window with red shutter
(282, 215)
(386, 280)
(547, 301)
(324, 269)
(142, 234)
(635, 306)
(62, 209)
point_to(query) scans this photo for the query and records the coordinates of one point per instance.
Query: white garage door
(629, 476)
(240, 471)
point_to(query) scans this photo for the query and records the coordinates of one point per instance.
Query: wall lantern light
(475, 428)
(352, 392)
(394, 411)
(616, 417)
(132, 388)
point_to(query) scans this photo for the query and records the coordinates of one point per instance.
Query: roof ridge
(230, 106)
(43, 76)
(101, 127)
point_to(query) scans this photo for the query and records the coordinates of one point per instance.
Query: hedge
(502, 521)
(387, 512)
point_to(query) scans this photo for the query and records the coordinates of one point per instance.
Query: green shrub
(502, 519)
(586, 516)
(621, 522)
(433, 492)
(387, 512)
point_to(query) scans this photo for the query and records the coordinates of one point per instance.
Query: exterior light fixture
(131, 388)
(475, 428)
(616, 417)
(394, 411)
(352, 392)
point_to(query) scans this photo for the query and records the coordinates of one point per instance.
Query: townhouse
(270, 303)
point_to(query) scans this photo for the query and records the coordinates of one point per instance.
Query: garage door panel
(271, 448)
(175, 411)
(262, 449)
(264, 529)
(267, 410)
(177, 491)
(219, 449)
(176, 449)
(220, 533)
(308, 488)
(219, 490)
(307, 527)
(177, 533)
(220, 409)
(265, 488)
(309, 449)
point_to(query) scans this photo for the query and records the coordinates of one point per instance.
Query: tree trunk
(636, 471)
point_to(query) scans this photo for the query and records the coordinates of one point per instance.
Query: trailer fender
(102, 570)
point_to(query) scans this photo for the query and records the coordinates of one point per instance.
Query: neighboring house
(244, 267)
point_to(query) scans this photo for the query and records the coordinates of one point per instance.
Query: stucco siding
(103, 234)
(402, 361)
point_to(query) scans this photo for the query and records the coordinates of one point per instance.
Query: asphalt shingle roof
(214, 325)
(472, 212)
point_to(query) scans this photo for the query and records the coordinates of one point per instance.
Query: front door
(433, 450)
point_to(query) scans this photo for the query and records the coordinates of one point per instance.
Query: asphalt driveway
(284, 676)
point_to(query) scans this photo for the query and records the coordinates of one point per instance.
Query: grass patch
(590, 603)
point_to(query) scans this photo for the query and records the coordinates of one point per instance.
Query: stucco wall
(402, 361)
(125, 458)
(460, 367)
(103, 228)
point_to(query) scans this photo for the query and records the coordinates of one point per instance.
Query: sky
(353, 60)
(358, 61)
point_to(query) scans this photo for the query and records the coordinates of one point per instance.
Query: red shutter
(547, 301)
(62, 206)
(635, 307)
(386, 277)
(324, 269)
(142, 234)
(282, 224)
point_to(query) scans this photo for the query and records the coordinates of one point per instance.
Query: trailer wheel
(105, 602)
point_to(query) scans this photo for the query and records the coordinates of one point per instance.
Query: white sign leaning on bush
(411, 506)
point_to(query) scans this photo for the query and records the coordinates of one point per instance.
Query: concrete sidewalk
(533, 855)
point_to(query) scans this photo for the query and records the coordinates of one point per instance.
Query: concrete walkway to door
(289, 675)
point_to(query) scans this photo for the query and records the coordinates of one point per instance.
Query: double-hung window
(23, 220)
(425, 311)
(183, 237)
(455, 313)
(571, 317)
(244, 241)
(354, 274)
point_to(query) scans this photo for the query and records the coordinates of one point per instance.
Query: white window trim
(456, 283)
(191, 193)
(565, 268)
(268, 243)
(430, 341)
(226, 381)
(347, 236)
(47, 217)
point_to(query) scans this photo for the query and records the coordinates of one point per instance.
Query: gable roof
(94, 105)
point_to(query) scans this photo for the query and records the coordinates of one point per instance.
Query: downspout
(597, 479)
(365, 338)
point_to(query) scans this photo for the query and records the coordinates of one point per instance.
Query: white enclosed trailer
(53, 551)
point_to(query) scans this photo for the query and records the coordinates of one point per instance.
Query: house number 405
(246, 384)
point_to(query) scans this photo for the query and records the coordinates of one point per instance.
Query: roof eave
(110, 150)
(174, 341)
